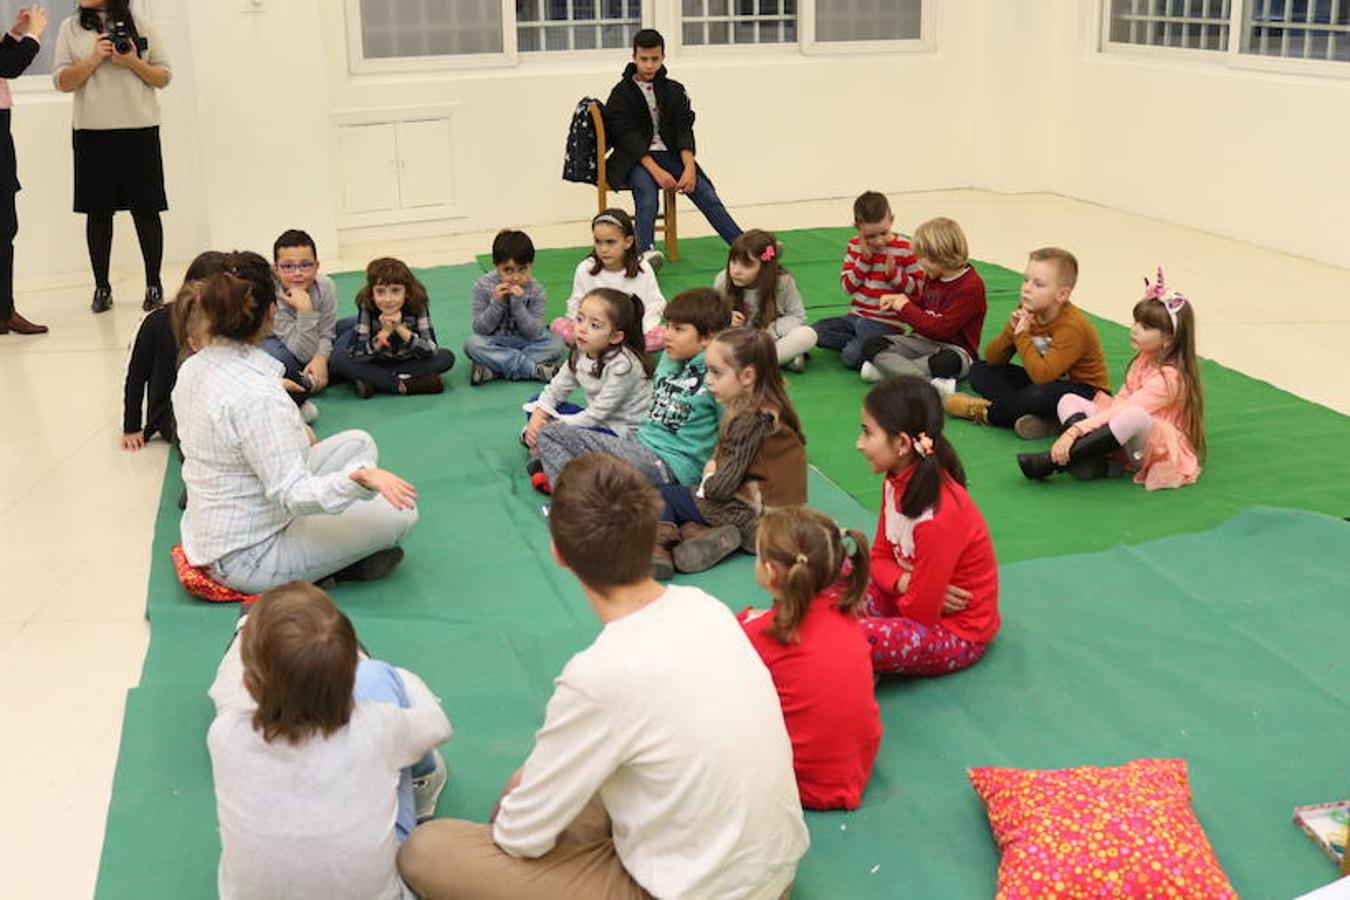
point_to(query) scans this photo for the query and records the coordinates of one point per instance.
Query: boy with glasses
(306, 316)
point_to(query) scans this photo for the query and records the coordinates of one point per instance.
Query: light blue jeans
(313, 547)
(512, 356)
(379, 681)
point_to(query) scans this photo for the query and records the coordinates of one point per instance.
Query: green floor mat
(1216, 646)
(1266, 446)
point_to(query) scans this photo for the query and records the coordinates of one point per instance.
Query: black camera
(120, 35)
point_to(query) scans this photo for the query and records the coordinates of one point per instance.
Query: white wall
(1014, 98)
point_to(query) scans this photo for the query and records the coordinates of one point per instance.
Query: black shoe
(533, 466)
(182, 500)
(372, 568)
(154, 298)
(1087, 457)
(364, 389)
(102, 301)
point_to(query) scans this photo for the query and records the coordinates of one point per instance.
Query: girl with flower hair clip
(764, 294)
(932, 600)
(1157, 418)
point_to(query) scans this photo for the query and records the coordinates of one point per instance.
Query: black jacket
(628, 123)
(14, 58)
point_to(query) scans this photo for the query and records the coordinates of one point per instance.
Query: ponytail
(925, 485)
(808, 547)
(237, 300)
(910, 405)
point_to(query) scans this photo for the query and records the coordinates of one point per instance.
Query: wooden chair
(665, 220)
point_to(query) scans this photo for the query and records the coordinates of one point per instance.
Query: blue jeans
(512, 356)
(1014, 394)
(294, 367)
(380, 682)
(647, 200)
(847, 334)
(680, 505)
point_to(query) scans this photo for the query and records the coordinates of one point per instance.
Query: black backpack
(579, 162)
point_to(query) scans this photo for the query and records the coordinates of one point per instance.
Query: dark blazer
(628, 123)
(15, 56)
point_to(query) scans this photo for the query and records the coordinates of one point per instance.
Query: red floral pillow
(197, 583)
(1127, 831)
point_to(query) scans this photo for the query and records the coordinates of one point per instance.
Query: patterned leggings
(901, 646)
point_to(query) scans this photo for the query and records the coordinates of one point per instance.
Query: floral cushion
(197, 583)
(1126, 831)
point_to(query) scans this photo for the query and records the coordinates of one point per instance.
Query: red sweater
(948, 544)
(949, 311)
(825, 685)
(892, 270)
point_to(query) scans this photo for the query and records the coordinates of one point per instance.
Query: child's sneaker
(964, 406)
(539, 481)
(1034, 428)
(427, 788)
(796, 364)
(308, 412)
(702, 548)
(545, 371)
(423, 384)
(945, 386)
(870, 373)
(479, 374)
(655, 259)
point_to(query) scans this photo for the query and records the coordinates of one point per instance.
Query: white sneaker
(427, 788)
(796, 364)
(945, 386)
(655, 259)
(308, 412)
(870, 373)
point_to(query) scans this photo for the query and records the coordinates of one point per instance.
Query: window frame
(552, 57)
(1236, 57)
(357, 64)
(926, 42)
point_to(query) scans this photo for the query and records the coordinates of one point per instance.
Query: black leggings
(98, 233)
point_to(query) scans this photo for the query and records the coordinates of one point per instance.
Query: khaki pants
(450, 859)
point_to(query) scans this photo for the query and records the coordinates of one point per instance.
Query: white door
(368, 157)
(424, 155)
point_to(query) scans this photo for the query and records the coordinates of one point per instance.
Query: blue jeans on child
(379, 681)
(680, 505)
(294, 367)
(514, 357)
(647, 200)
(847, 334)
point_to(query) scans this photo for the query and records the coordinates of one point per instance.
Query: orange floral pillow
(1127, 831)
(197, 583)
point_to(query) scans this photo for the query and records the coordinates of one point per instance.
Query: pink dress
(1168, 459)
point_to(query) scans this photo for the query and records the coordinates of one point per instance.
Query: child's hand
(688, 180)
(538, 419)
(317, 370)
(1021, 321)
(133, 441)
(298, 300)
(737, 318)
(709, 468)
(291, 387)
(664, 180)
(892, 302)
(956, 599)
(399, 493)
(1059, 451)
(501, 291)
(389, 322)
(864, 251)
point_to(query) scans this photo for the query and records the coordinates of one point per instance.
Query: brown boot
(19, 325)
(964, 406)
(663, 563)
(423, 384)
(707, 548)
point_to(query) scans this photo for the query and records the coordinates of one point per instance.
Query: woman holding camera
(114, 62)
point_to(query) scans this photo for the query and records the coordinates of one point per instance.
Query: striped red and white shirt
(892, 270)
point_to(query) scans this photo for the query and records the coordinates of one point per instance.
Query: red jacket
(949, 311)
(948, 544)
(825, 685)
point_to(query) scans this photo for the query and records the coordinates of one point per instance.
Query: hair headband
(604, 218)
(1172, 302)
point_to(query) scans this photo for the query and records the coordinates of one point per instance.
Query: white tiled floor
(76, 513)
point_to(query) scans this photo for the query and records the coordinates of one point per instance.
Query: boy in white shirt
(663, 766)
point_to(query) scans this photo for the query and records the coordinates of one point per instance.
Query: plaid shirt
(246, 454)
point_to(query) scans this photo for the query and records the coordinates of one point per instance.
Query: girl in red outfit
(816, 651)
(932, 603)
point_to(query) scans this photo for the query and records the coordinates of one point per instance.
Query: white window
(840, 21)
(1193, 24)
(389, 34)
(1299, 29)
(576, 24)
(738, 22)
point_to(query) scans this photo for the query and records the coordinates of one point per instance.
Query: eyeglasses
(296, 266)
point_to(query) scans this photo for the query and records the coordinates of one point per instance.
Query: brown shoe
(423, 384)
(19, 325)
(964, 406)
(663, 564)
(706, 549)
(1031, 427)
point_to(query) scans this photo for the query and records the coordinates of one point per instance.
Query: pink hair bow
(1172, 302)
(769, 253)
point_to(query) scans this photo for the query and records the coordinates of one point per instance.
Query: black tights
(98, 233)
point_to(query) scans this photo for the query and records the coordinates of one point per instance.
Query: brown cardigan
(761, 463)
(1075, 351)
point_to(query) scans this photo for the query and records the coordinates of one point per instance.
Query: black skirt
(120, 168)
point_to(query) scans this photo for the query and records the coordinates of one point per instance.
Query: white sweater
(643, 284)
(618, 400)
(671, 717)
(315, 820)
(114, 96)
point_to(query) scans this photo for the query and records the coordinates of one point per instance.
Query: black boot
(154, 298)
(102, 301)
(1086, 457)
